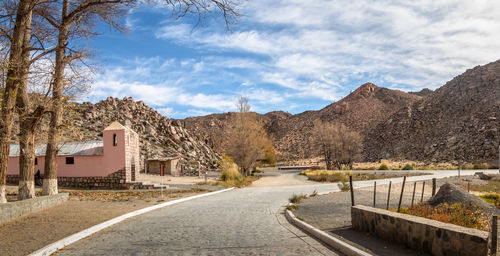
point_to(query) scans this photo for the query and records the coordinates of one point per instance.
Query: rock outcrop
(159, 136)
(459, 121)
(293, 135)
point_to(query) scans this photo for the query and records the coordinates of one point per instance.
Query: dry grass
(458, 214)
(343, 176)
(295, 199)
(125, 195)
(491, 186)
(400, 165)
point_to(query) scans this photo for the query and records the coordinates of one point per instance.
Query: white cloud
(286, 51)
(425, 43)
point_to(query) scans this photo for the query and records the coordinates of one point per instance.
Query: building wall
(83, 166)
(114, 156)
(123, 156)
(132, 155)
(171, 168)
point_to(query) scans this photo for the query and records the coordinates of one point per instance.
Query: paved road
(240, 222)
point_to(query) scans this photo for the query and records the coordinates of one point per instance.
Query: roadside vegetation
(489, 186)
(295, 199)
(230, 175)
(411, 165)
(343, 176)
(458, 214)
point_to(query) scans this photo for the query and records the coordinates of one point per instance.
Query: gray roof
(86, 148)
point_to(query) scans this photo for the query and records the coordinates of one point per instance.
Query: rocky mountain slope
(460, 120)
(159, 136)
(292, 134)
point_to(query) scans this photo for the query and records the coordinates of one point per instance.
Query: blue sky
(291, 55)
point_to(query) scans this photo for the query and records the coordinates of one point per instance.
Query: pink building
(118, 151)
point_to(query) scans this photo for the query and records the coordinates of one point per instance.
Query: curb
(52, 248)
(321, 235)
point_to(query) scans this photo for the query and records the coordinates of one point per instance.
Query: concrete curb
(335, 243)
(52, 248)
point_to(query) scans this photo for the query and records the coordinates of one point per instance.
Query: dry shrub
(229, 170)
(458, 214)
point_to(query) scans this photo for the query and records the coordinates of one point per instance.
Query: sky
(290, 55)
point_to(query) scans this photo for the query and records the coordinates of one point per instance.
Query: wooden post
(459, 169)
(374, 193)
(388, 196)
(413, 196)
(401, 196)
(423, 188)
(433, 186)
(494, 234)
(352, 190)
(468, 186)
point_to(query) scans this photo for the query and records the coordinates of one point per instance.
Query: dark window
(70, 160)
(36, 161)
(114, 140)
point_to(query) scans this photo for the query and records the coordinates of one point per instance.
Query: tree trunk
(50, 173)
(23, 19)
(27, 126)
(27, 153)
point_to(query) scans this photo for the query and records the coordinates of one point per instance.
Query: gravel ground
(332, 212)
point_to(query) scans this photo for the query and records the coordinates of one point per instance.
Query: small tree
(338, 145)
(247, 140)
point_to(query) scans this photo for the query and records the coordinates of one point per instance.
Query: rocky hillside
(292, 135)
(460, 120)
(160, 136)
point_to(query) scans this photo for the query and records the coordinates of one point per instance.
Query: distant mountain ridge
(292, 135)
(459, 121)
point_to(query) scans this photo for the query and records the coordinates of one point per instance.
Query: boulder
(451, 194)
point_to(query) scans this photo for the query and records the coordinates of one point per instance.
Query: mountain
(460, 120)
(159, 136)
(292, 135)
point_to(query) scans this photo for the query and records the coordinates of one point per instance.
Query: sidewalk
(332, 213)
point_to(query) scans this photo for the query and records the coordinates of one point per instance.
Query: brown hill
(460, 120)
(292, 134)
(159, 136)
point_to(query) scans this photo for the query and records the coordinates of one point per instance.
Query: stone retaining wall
(115, 180)
(421, 234)
(12, 210)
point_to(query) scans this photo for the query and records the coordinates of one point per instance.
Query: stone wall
(116, 180)
(420, 234)
(12, 210)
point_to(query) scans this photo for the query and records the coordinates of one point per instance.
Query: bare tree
(17, 71)
(243, 105)
(76, 19)
(338, 145)
(246, 140)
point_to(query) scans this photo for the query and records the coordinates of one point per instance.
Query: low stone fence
(12, 210)
(115, 180)
(421, 234)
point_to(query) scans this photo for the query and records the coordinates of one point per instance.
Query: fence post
(388, 196)
(433, 186)
(401, 196)
(413, 196)
(374, 193)
(468, 186)
(423, 188)
(352, 190)
(494, 233)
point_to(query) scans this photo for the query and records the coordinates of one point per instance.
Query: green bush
(344, 186)
(408, 167)
(295, 199)
(384, 167)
